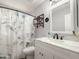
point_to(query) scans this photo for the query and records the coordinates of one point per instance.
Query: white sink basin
(71, 43)
(66, 42)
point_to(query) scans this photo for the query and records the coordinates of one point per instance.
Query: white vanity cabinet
(42, 53)
(44, 50)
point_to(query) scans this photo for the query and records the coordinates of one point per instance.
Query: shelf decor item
(39, 21)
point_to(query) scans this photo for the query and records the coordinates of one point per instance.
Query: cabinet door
(37, 53)
(42, 53)
(48, 54)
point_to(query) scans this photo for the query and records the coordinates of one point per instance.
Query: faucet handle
(54, 36)
(61, 38)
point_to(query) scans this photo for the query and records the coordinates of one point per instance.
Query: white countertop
(66, 44)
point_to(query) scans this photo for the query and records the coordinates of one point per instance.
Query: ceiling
(26, 5)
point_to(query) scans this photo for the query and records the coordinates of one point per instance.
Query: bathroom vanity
(46, 48)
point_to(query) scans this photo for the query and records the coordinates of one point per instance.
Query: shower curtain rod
(16, 10)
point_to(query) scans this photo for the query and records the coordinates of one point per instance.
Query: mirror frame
(72, 7)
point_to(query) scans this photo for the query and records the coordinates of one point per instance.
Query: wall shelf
(39, 21)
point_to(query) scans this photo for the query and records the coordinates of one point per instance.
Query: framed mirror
(61, 15)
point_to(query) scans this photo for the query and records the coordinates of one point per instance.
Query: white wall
(43, 8)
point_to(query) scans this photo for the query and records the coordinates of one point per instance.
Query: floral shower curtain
(15, 30)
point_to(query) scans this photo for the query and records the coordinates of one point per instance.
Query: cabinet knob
(42, 54)
(39, 52)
